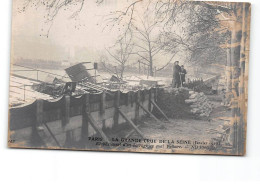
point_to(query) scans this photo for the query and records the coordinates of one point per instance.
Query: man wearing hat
(176, 81)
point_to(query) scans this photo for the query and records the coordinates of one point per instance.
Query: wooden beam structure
(93, 123)
(149, 113)
(40, 122)
(160, 110)
(52, 135)
(131, 132)
(58, 126)
(131, 123)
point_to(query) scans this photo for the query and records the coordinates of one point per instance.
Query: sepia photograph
(165, 76)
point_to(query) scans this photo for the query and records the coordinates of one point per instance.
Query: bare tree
(53, 7)
(148, 44)
(196, 28)
(120, 54)
(141, 20)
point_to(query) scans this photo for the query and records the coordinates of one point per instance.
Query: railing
(86, 85)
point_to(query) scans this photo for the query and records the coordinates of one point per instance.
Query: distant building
(65, 63)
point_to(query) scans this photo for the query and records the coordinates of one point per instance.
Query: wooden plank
(103, 107)
(164, 115)
(131, 132)
(131, 123)
(66, 111)
(137, 101)
(38, 135)
(52, 135)
(66, 119)
(150, 101)
(39, 112)
(156, 94)
(93, 123)
(40, 122)
(85, 123)
(149, 113)
(128, 99)
(117, 103)
(102, 103)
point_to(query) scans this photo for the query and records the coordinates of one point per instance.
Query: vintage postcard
(165, 76)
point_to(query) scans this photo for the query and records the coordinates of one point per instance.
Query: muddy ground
(179, 135)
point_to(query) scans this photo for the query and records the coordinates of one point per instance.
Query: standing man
(183, 74)
(176, 81)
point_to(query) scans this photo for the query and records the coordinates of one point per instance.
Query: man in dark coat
(182, 74)
(176, 81)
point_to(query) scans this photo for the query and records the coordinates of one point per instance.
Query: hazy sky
(79, 40)
(64, 38)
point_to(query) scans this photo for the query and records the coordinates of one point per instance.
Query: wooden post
(66, 111)
(39, 111)
(66, 120)
(131, 98)
(150, 101)
(85, 123)
(156, 94)
(103, 107)
(39, 130)
(137, 101)
(117, 104)
(128, 99)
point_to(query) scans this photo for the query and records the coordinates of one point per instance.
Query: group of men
(179, 73)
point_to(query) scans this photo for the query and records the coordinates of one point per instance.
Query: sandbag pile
(199, 104)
